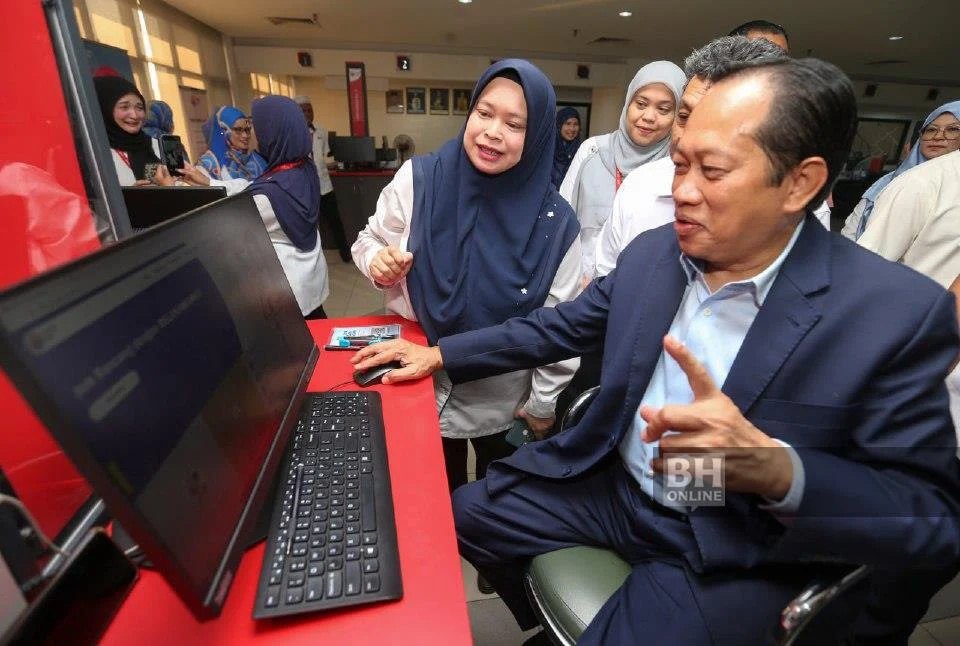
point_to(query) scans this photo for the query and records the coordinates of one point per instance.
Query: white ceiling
(851, 33)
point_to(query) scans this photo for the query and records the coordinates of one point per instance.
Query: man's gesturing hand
(755, 463)
(390, 265)
(418, 361)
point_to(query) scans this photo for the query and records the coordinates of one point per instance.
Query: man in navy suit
(814, 368)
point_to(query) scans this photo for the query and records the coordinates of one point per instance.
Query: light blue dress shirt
(713, 327)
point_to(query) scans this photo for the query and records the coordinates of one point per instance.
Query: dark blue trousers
(660, 602)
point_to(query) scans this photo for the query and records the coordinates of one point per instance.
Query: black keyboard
(333, 538)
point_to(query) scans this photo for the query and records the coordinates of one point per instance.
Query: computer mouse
(373, 376)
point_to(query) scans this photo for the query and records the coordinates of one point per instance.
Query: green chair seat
(570, 586)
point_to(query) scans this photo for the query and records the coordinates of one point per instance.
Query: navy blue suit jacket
(845, 361)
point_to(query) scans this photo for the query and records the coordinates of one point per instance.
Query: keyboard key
(371, 583)
(369, 539)
(353, 517)
(276, 575)
(352, 528)
(316, 555)
(352, 578)
(297, 565)
(294, 596)
(371, 552)
(352, 554)
(273, 597)
(335, 537)
(315, 590)
(335, 550)
(318, 541)
(371, 565)
(295, 580)
(367, 499)
(299, 550)
(315, 570)
(334, 564)
(337, 524)
(353, 540)
(334, 587)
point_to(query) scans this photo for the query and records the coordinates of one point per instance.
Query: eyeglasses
(950, 132)
(243, 130)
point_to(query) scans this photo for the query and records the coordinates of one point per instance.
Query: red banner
(357, 98)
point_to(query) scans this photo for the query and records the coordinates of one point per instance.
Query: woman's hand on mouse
(418, 361)
(390, 265)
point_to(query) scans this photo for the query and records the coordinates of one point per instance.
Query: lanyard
(619, 178)
(125, 157)
(287, 166)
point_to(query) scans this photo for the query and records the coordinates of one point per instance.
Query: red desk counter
(433, 609)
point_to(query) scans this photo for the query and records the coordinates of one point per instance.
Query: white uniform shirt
(306, 271)
(321, 148)
(484, 406)
(916, 219)
(644, 202)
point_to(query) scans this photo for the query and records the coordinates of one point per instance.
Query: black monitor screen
(166, 367)
(148, 206)
(354, 149)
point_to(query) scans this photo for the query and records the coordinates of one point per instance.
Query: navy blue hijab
(487, 247)
(294, 192)
(565, 149)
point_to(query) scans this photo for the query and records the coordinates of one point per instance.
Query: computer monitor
(148, 206)
(170, 368)
(354, 150)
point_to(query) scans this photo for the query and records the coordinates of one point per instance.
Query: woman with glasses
(939, 135)
(229, 156)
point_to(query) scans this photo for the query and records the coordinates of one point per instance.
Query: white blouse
(485, 406)
(306, 271)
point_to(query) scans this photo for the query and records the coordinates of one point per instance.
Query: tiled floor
(351, 294)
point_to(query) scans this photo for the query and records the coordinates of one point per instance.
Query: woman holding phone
(124, 113)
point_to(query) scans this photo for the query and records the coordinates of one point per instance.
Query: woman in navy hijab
(287, 195)
(474, 234)
(568, 142)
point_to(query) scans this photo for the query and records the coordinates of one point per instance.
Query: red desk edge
(433, 609)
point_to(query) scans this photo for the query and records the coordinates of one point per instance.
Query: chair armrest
(816, 596)
(578, 407)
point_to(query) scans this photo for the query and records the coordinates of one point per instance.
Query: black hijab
(138, 147)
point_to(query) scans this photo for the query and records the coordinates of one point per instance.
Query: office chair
(566, 601)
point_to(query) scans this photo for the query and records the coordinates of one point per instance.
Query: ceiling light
(896, 37)
(625, 14)
(464, 1)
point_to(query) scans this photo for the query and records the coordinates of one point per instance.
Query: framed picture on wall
(461, 101)
(583, 109)
(439, 100)
(416, 100)
(395, 101)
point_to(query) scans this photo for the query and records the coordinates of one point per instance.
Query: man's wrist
(781, 473)
(437, 358)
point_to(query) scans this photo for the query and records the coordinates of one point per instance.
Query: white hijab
(619, 151)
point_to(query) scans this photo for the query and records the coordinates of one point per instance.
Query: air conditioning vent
(282, 20)
(609, 40)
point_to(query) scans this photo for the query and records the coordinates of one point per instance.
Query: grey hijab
(618, 150)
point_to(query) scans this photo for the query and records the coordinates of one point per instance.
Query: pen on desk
(370, 337)
(342, 347)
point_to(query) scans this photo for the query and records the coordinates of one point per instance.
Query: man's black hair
(763, 26)
(813, 113)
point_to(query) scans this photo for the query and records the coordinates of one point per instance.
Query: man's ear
(806, 180)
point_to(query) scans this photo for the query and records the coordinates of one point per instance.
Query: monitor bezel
(204, 604)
